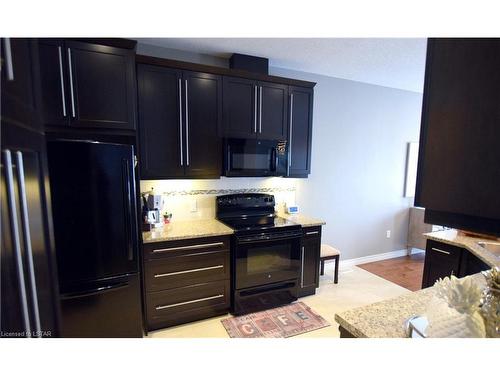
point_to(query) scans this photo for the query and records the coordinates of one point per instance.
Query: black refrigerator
(28, 277)
(95, 228)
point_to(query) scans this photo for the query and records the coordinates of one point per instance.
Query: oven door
(266, 258)
(250, 157)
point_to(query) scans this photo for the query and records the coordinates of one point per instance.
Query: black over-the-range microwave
(255, 157)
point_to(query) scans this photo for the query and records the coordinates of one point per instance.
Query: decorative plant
(490, 308)
(455, 309)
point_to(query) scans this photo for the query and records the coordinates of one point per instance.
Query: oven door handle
(259, 239)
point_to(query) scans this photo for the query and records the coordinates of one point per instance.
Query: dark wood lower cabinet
(442, 260)
(310, 256)
(186, 280)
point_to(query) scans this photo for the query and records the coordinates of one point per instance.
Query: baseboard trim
(348, 263)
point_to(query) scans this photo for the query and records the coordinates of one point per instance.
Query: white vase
(445, 321)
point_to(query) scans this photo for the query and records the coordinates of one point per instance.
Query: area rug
(280, 322)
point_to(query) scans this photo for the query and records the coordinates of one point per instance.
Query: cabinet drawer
(185, 304)
(440, 249)
(163, 250)
(310, 232)
(184, 270)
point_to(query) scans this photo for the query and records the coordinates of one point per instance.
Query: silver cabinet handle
(27, 238)
(311, 233)
(71, 84)
(62, 80)
(186, 120)
(302, 269)
(214, 244)
(161, 307)
(9, 179)
(440, 251)
(180, 122)
(8, 59)
(260, 109)
(290, 137)
(255, 109)
(158, 275)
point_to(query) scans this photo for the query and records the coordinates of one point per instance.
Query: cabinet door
(54, 82)
(160, 133)
(19, 107)
(203, 110)
(460, 130)
(239, 108)
(300, 132)
(311, 247)
(102, 86)
(441, 260)
(272, 121)
(471, 264)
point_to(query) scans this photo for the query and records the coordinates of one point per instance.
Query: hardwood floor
(405, 271)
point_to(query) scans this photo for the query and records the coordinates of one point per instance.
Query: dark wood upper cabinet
(458, 172)
(102, 84)
(19, 81)
(87, 85)
(179, 118)
(239, 108)
(273, 111)
(300, 131)
(55, 84)
(254, 109)
(160, 133)
(203, 118)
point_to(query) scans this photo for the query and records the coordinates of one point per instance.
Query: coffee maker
(152, 207)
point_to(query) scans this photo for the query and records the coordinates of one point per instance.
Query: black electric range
(265, 252)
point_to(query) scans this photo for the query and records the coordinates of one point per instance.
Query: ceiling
(392, 62)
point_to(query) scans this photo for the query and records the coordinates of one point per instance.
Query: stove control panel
(245, 200)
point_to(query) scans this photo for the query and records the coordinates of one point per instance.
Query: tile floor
(356, 287)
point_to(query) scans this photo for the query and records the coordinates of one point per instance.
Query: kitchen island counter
(387, 319)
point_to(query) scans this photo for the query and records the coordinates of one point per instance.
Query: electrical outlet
(194, 205)
(388, 234)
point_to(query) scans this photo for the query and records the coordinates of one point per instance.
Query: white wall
(360, 132)
(360, 135)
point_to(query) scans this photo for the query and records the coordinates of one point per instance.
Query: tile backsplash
(195, 199)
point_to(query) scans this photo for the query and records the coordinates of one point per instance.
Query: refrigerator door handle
(128, 201)
(91, 292)
(9, 180)
(27, 238)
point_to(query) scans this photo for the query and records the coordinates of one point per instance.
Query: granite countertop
(303, 220)
(386, 319)
(453, 237)
(185, 229)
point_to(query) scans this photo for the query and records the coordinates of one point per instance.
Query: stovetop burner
(251, 212)
(259, 223)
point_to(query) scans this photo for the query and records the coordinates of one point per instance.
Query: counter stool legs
(336, 272)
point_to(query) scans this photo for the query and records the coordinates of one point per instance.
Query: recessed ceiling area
(392, 62)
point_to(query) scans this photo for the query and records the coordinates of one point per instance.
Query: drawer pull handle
(440, 251)
(311, 233)
(161, 307)
(215, 244)
(188, 271)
